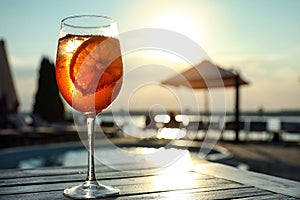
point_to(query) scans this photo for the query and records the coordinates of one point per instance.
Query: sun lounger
(290, 127)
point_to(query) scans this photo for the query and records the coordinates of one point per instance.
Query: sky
(258, 38)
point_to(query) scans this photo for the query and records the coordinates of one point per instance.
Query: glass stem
(90, 139)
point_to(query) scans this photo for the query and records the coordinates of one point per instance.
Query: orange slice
(95, 64)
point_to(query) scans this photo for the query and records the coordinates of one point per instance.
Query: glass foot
(90, 190)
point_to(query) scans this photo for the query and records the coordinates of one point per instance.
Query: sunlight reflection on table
(174, 175)
(174, 160)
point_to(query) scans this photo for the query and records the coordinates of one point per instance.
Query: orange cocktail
(89, 74)
(89, 71)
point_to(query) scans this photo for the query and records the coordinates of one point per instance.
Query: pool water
(76, 155)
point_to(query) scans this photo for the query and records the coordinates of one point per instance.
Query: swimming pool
(75, 154)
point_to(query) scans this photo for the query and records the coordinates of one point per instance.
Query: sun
(180, 22)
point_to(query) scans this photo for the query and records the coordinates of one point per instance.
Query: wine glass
(89, 73)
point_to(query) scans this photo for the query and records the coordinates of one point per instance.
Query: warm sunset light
(172, 99)
(180, 22)
(229, 33)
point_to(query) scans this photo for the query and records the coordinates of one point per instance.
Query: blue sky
(259, 38)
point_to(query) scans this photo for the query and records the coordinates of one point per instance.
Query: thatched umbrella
(207, 75)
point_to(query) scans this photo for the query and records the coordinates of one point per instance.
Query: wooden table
(204, 180)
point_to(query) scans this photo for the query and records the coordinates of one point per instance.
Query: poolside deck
(202, 180)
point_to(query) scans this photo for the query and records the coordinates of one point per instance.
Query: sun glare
(180, 22)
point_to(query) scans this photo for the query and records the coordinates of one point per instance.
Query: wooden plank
(23, 173)
(54, 171)
(154, 195)
(159, 184)
(37, 196)
(188, 185)
(262, 181)
(81, 177)
(17, 182)
(267, 197)
(204, 181)
(137, 184)
(197, 194)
